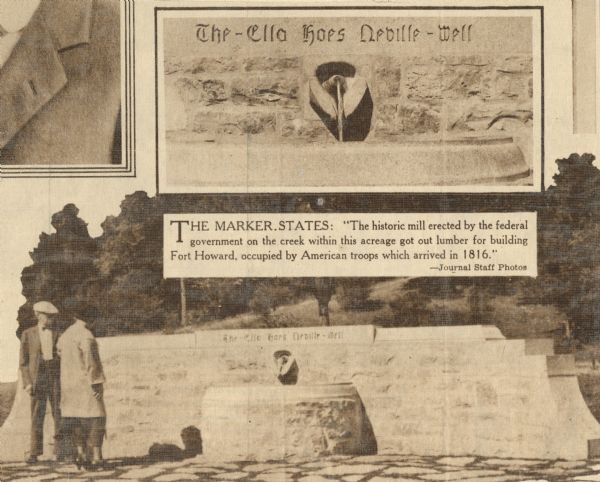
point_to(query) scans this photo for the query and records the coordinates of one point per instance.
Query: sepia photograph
(402, 99)
(60, 82)
(305, 242)
(308, 378)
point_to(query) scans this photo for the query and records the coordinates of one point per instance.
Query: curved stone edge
(553, 422)
(441, 164)
(577, 430)
(449, 165)
(14, 433)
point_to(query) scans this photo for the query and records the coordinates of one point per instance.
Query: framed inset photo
(325, 99)
(66, 89)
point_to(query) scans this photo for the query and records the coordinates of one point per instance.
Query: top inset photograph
(352, 100)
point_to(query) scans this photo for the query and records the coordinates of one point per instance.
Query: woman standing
(82, 400)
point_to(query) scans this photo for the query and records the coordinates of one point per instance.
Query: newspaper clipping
(299, 241)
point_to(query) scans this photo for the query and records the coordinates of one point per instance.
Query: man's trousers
(47, 389)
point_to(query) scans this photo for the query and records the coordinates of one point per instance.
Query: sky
(26, 211)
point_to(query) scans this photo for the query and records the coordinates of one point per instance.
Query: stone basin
(463, 161)
(264, 422)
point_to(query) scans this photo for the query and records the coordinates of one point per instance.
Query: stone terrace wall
(433, 391)
(267, 97)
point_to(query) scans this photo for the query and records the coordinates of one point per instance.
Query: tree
(183, 297)
(63, 265)
(132, 292)
(121, 271)
(480, 309)
(323, 291)
(569, 246)
(410, 308)
(215, 298)
(354, 294)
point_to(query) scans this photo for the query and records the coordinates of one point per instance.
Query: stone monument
(269, 422)
(427, 391)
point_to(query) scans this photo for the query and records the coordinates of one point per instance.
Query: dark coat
(60, 89)
(31, 354)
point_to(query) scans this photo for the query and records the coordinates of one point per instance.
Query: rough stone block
(461, 78)
(412, 95)
(506, 85)
(255, 422)
(478, 115)
(236, 123)
(271, 64)
(265, 90)
(201, 90)
(436, 79)
(389, 78)
(515, 64)
(211, 65)
(396, 117)
(294, 127)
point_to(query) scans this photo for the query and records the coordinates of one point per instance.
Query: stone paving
(373, 468)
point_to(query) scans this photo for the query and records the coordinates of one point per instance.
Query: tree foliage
(120, 272)
(569, 246)
(63, 264)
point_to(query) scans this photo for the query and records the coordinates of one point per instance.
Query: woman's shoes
(81, 462)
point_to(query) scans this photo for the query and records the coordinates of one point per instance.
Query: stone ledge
(561, 366)
(360, 334)
(254, 165)
(539, 346)
(450, 333)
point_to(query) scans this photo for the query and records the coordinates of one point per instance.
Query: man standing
(40, 372)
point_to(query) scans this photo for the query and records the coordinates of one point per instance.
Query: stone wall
(432, 391)
(238, 98)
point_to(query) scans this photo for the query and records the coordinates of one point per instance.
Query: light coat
(80, 368)
(60, 88)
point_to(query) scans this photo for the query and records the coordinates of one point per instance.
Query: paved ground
(376, 468)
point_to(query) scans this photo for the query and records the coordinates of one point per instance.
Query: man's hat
(45, 307)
